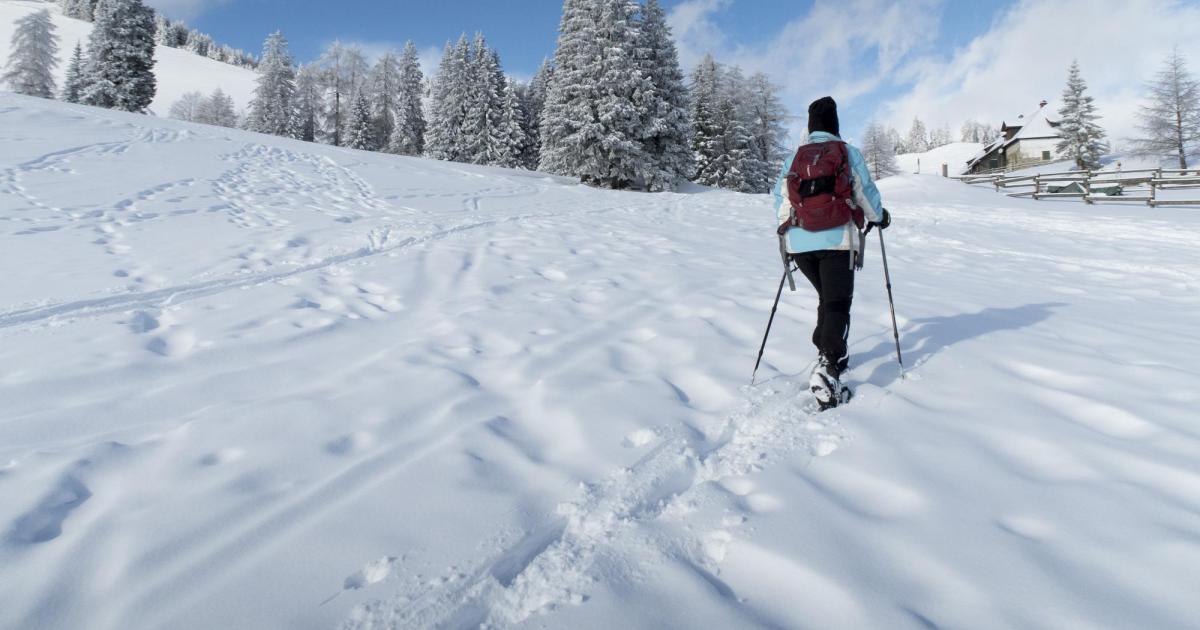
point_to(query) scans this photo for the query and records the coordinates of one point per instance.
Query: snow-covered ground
(254, 383)
(177, 71)
(954, 155)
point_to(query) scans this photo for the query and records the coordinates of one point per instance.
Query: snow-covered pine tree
(188, 108)
(408, 133)
(199, 43)
(383, 92)
(1170, 121)
(120, 58)
(705, 100)
(33, 57)
(271, 106)
(666, 130)
(533, 103)
(918, 138)
(767, 126)
(309, 104)
(506, 144)
(574, 131)
(898, 145)
(449, 103)
(177, 36)
(360, 130)
(162, 28)
(746, 168)
(79, 9)
(218, 110)
(724, 145)
(1082, 138)
(623, 155)
(484, 103)
(879, 152)
(73, 84)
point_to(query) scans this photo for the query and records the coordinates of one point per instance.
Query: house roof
(1033, 126)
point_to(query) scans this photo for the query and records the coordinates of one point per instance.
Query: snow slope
(177, 71)
(954, 155)
(255, 383)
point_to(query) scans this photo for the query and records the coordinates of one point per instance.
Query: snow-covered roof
(1033, 126)
(1036, 125)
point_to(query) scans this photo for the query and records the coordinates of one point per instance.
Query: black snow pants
(831, 275)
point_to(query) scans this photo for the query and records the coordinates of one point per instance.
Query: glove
(884, 222)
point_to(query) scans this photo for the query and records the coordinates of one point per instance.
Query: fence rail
(1132, 186)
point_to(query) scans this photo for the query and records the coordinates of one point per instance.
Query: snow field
(250, 382)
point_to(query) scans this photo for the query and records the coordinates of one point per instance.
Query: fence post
(1087, 187)
(1153, 186)
(945, 170)
(1037, 185)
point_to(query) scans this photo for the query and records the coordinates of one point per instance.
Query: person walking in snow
(823, 197)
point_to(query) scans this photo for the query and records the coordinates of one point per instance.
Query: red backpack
(820, 189)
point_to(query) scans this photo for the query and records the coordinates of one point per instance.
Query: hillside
(255, 383)
(953, 155)
(177, 71)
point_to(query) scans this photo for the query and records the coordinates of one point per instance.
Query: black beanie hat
(822, 116)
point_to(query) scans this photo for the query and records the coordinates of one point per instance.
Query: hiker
(822, 199)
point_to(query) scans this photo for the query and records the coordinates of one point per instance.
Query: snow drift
(253, 383)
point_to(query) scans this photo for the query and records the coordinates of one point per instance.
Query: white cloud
(1024, 57)
(184, 9)
(844, 48)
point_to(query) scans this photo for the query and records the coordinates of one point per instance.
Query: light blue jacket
(866, 196)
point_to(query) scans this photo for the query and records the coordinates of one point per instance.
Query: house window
(1046, 155)
(994, 163)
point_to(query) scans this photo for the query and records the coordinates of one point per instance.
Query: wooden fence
(1135, 186)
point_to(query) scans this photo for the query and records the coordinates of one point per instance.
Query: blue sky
(943, 60)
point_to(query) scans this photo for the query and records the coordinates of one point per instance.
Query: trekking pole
(887, 278)
(787, 272)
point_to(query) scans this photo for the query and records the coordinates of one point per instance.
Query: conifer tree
(271, 107)
(218, 110)
(570, 129)
(30, 67)
(484, 103)
(79, 9)
(73, 85)
(450, 97)
(309, 105)
(667, 130)
(360, 128)
(918, 139)
(383, 87)
(705, 101)
(120, 58)
(408, 133)
(1170, 122)
(1082, 137)
(534, 102)
(506, 146)
(879, 152)
(766, 123)
(591, 124)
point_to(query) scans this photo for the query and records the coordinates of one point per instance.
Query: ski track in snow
(258, 383)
